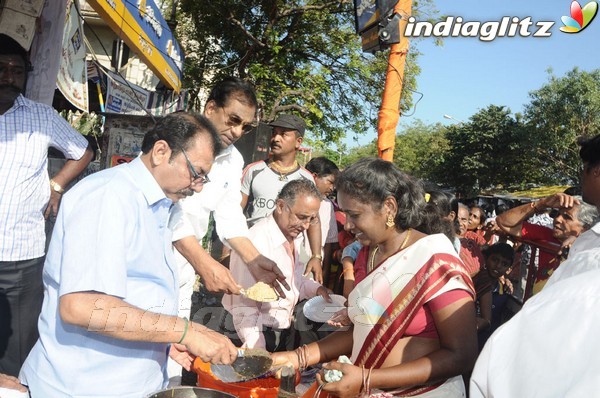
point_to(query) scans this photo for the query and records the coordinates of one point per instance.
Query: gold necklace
(402, 247)
(283, 171)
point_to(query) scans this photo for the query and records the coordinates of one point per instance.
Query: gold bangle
(364, 380)
(302, 357)
(349, 271)
(318, 256)
(368, 387)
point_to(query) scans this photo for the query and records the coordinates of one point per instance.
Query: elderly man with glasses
(109, 314)
(282, 237)
(550, 348)
(572, 216)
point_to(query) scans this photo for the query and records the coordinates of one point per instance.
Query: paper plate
(318, 310)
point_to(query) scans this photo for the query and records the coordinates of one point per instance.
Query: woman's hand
(566, 246)
(282, 359)
(349, 386)
(559, 200)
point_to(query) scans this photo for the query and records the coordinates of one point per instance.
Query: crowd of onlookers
(509, 248)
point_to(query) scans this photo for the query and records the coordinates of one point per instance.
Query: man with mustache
(231, 108)
(110, 278)
(27, 196)
(573, 217)
(262, 181)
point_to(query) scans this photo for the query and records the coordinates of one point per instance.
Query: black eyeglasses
(197, 178)
(235, 121)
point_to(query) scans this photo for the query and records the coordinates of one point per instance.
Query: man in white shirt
(27, 195)
(549, 348)
(231, 108)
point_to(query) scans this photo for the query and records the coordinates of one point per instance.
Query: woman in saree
(413, 320)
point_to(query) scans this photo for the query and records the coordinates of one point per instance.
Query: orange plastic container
(267, 387)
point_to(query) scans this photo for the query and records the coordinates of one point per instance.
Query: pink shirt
(250, 316)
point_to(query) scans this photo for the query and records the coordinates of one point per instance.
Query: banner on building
(128, 98)
(72, 73)
(125, 97)
(140, 24)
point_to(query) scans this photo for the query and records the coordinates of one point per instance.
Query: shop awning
(140, 24)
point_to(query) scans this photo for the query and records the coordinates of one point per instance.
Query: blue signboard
(141, 25)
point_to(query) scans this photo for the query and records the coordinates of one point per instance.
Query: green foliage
(85, 123)
(303, 56)
(369, 150)
(497, 150)
(562, 110)
(484, 153)
(421, 149)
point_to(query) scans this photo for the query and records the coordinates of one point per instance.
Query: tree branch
(303, 9)
(278, 108)
(282, 108)
(231, 18)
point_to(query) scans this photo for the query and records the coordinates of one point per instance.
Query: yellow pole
(389, 113)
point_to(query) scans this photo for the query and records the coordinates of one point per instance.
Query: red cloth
(483, 283)
(470, 254)
(475, 236)
(344, 239)
(422, 325)
(547, 262)
(360, 265)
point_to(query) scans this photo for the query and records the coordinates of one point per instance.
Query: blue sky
(466, 74)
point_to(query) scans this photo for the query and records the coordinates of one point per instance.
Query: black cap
(291, 122)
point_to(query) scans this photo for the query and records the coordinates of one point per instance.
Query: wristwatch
(56, 187)
(318, 256)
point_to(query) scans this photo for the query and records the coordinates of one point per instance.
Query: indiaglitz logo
(580, 17)
(485, 31)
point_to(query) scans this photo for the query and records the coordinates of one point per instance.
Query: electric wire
(414, 107)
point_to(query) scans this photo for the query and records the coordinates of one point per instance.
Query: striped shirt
(27, 130)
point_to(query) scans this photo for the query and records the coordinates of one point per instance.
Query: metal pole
(389, 113)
